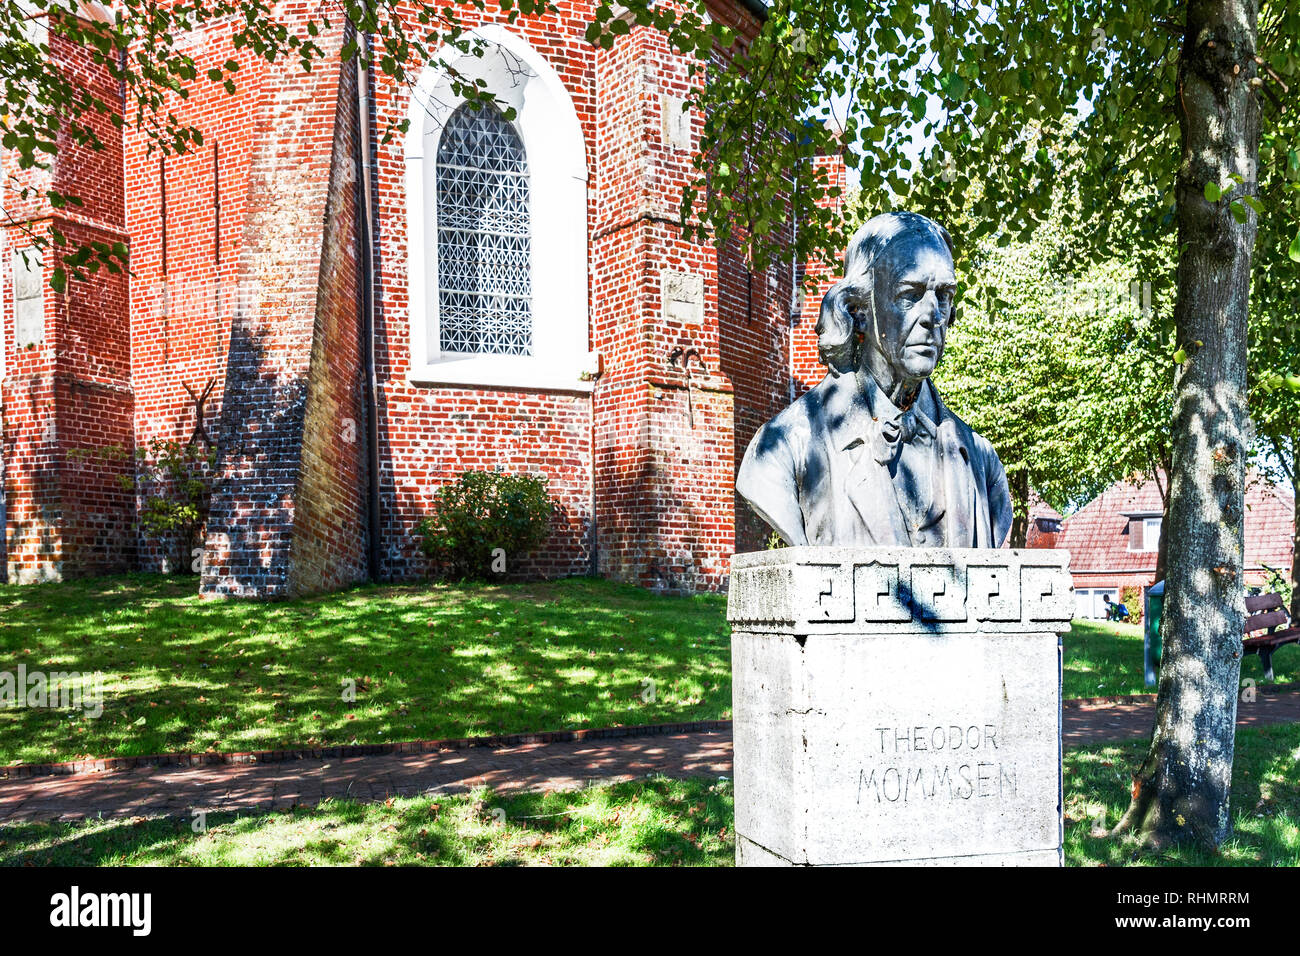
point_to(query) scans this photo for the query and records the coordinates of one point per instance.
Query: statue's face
(914, 286)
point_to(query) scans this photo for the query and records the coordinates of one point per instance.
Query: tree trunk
(1181, 791)
(1019, 486)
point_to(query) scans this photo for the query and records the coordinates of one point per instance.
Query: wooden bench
(1267, 613)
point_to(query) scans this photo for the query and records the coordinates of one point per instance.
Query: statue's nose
(931, 313)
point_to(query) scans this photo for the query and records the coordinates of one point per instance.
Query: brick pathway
(148, 791)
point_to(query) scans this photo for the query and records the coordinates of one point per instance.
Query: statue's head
(891, 311)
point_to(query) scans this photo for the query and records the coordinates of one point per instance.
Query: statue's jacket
(820, 473)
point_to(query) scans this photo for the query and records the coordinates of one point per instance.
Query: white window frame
(1151, 542)
(548, 125)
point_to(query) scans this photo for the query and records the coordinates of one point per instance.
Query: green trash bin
(1155, 602)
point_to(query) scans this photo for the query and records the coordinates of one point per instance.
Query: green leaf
(1212, 192)
(1294, 250)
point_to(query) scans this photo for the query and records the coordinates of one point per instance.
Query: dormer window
(1144, 532)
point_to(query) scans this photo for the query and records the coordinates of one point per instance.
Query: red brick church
(368, 319)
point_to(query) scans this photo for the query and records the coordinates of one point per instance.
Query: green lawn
(426, 661)
(657, 821)
(430, 661)
(1265, 804)
(1102, 659)
(651, 822)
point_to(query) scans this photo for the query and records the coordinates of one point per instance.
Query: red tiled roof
(1098, 540)
(1270, 525)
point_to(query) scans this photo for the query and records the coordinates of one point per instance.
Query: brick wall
(68, 391)
(430, 433)
(671, 517)
(285, 515)
(330, 536)
(817, 278)
(664, 406)
(246, 285)
(186, 213)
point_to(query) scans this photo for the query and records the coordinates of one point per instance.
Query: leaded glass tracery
(484, 253)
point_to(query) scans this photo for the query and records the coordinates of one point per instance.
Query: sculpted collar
(861, 413)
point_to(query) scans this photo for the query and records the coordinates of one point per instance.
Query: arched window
(496, 224)
(484, 264)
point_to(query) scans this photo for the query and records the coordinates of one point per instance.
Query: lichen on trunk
(1181, 790)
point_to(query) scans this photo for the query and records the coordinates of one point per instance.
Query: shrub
(480, 512)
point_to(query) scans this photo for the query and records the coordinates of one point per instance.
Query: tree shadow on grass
(369, 665)
(659, 821)
(1265, 804)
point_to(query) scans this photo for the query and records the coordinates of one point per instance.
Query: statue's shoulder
(790, 435)
(804, 415)
(810, 409)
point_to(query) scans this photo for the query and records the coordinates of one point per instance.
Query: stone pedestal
(898, 705)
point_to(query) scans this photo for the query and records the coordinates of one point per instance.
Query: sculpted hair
(848, 308)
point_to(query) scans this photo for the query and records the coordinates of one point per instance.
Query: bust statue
(871, 456)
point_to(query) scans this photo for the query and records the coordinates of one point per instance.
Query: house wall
(1144, 579)
(1106, 542)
